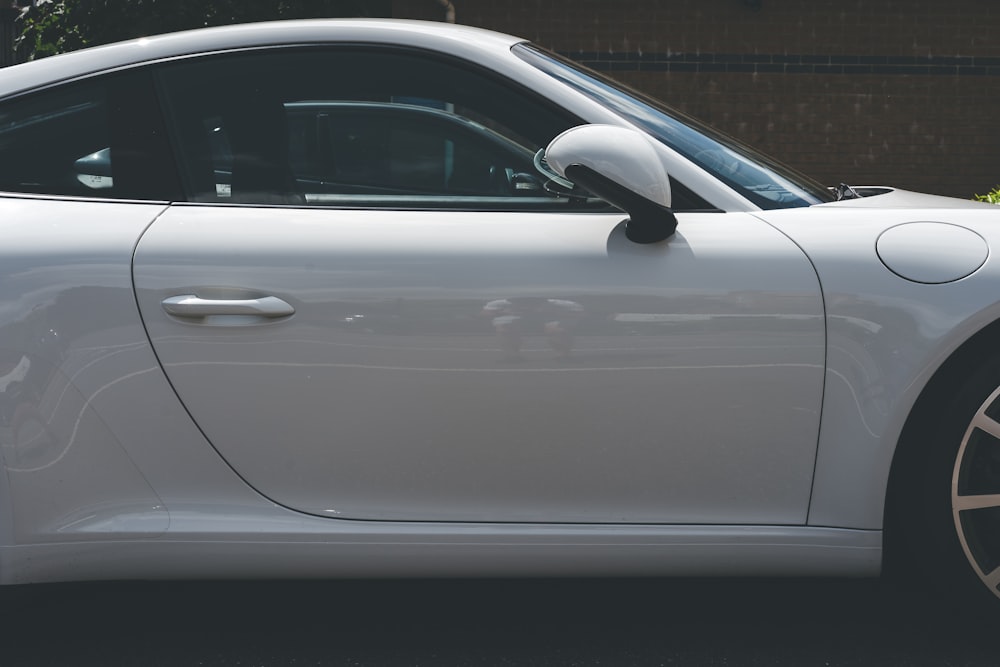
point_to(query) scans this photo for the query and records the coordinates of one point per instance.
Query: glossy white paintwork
(266, 545)
(701, 380)
(886, 337)
(625, 156)
(68, 313)
(931, 252)
(462, 41)
(387, 395)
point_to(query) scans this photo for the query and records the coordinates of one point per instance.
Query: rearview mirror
(621, 167)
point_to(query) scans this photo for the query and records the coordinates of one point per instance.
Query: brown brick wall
(896, 92)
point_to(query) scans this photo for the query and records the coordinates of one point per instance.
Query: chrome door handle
(189, 305)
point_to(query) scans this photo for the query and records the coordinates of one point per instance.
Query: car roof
(466, 41)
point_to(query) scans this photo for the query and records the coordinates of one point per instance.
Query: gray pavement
(762, 622)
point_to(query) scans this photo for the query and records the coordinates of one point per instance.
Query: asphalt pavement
(668, 622)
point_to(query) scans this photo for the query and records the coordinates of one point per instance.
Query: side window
(357, 127)
(358, 148)
(96, 138)
(57, 142)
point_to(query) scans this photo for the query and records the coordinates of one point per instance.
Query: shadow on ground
(521, 622)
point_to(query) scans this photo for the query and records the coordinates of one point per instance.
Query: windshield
(762, 180)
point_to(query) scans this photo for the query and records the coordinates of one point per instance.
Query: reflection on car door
(493, 366)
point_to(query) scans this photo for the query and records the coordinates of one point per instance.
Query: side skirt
(364, 549)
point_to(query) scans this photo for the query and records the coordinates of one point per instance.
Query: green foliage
(57, 26)
(992, 197)
(45, 29)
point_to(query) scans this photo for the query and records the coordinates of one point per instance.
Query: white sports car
(389, 298)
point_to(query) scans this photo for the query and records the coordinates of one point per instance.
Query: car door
(498, 355)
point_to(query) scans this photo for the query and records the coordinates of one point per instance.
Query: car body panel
(265, 544)
(462, 41)
(881, 197)
(68, 321)
(886, 338)
(395, 390)
(106, 445)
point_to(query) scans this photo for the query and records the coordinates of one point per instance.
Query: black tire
(943, 512)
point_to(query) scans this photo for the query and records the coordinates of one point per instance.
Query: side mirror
(94, 170)
(621, 167)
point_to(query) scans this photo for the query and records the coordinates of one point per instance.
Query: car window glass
(57, 142)
(98, 138)
(357, 127)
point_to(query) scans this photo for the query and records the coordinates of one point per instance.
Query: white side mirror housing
(622, 167)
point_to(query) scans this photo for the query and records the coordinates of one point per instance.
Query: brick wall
(898, 92)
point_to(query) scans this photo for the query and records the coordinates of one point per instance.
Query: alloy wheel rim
(975, 493)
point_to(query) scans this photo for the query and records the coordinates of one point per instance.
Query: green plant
(45, 29)
(992, 197)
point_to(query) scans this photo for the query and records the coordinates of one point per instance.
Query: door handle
(189, 305)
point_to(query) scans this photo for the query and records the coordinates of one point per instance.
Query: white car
(248, 328)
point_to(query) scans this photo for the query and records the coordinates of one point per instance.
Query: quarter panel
(68, 324)
(94, 444)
